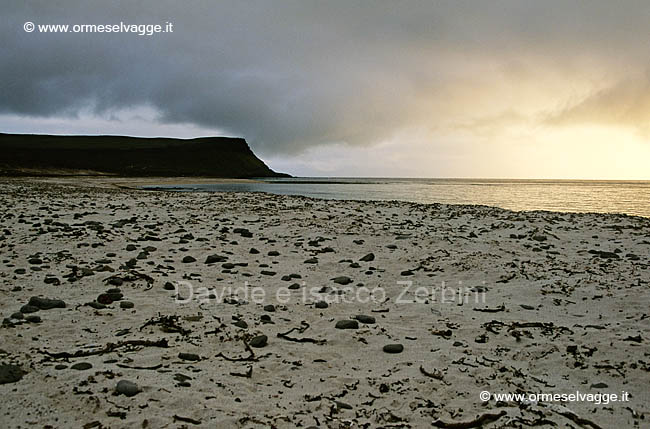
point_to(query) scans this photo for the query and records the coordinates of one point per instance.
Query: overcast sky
(520, 89)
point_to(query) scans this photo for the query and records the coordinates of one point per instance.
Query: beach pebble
(105, 299)
(342, 405)
(189, 356)
(10, 373)
(127, 388)
(211, 259)
(81, 366)
(311, 261)
(259, 341)
(46, 303)
(188, 259)
(32, 318)
(269, 307)
(25, 309)
(369, 257)
(115, 281)
(17, 315)
(241, 324)
(268, 273)
(254, 251)
(321, 304)
(126, 304)
(169, 286)
(393, 348)
(96, 305)
(342, 280)
(294, 286)
(273, 253)
(365, 319)
(347, 324)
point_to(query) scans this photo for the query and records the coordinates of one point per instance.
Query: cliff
(31, 154)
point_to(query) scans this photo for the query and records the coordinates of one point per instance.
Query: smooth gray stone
(128, 388)
(46, 303)
(347, 324)
(393, 348)
(259, 341)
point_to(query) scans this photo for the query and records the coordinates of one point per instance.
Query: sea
(598, 196)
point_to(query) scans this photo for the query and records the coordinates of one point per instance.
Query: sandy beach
(130, 308)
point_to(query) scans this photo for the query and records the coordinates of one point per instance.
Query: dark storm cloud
(291, 74)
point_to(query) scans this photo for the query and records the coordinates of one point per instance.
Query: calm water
(630, 197)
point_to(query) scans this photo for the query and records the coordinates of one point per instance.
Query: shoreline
(157, 184)
(556, 304)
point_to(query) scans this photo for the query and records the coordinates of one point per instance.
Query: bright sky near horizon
(403, 88)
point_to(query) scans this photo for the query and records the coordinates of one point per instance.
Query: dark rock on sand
(169, 286)
(369, 257)
(96, 305)
(321, 304)
(25, 309)
(188, 259)
(105, 298)
(126, 304)
(211, 259)
(10, 373)
(32, 318)
(365, 319)
(311, 261)
(393, 348)
(115, 281)
(347, 324)
(127, 388)
(46, 303)
(81, 366)
(269, 308)
(342, 280)
(254, 251)
(241, 324)
(259, 341)
(189, 356)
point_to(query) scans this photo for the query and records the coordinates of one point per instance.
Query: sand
(480, 299)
